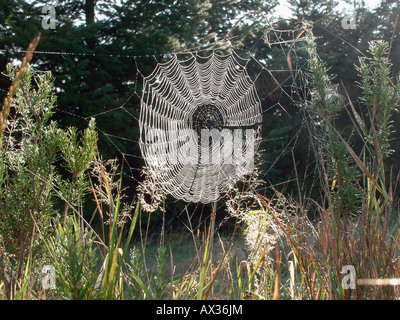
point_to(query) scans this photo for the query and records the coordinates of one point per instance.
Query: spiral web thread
(183, 99)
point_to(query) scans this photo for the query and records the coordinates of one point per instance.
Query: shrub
(31, 185)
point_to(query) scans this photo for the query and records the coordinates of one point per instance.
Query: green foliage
(112, 282)
(30, 181)
(149, 284)
(27, 167)
(76, 260)
(337, 169)
(379, 95)
(137, 270)
(77, 156)
(339, 164)
(161, 283)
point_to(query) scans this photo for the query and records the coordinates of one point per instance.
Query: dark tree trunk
(90, 39)
(89, 11)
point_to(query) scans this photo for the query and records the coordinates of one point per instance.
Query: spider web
(188, 89)
(185, 105)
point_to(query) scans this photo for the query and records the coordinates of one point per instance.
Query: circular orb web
(200, 125)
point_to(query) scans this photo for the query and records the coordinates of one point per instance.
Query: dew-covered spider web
(200, 125)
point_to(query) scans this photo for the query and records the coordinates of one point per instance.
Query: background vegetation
(331, 196)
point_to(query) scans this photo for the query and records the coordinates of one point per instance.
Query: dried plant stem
(13, 88)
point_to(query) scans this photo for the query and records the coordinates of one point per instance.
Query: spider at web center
(207, 117)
